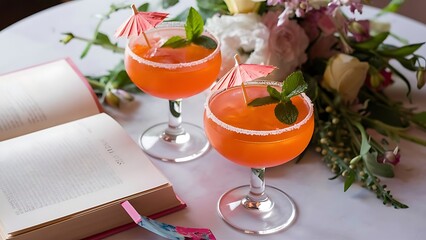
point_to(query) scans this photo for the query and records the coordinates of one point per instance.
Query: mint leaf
(273, 92)
(294, 85)
(194, 25)
(206, 42)
(263, 101)
(286, 112)
(175, 42)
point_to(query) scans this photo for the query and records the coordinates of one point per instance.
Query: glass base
(186, 147)
(279, 216)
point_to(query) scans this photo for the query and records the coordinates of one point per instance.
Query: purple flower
(391, 157)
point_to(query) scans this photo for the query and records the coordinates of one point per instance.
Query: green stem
(96, 84)
(112, 47)
(412, 138)
(378, 125)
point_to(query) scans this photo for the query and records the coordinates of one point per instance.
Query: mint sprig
(194, 27)
(285, 111)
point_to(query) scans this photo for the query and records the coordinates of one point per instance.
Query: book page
(43, 96)
(65, 169)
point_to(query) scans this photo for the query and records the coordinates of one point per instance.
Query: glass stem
(174, 131)
(257, 198)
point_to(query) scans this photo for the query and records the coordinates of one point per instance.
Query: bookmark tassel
(166, 230)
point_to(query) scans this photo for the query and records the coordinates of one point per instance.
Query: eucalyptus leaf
(381, 169)
(263, 101)
(286, 112)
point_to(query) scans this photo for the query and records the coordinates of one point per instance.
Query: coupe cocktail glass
(253, 137)
(173, 74)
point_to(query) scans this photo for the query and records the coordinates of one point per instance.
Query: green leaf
(294, 84)
(420, 119)
(349, 180)
(263, 101)
(175, 42)
(144, 7)
(421, 79)
(381, 169)
(365, 146)
(168, 3)
(400, 52)
(273, 92)
(205, 42)
(385, 114)
(409, 64)
(372, 43)
(393, 6)
(286, 112)
(194, 25)
(212, 7)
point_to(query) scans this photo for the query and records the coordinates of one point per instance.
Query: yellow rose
(346, 75)
(242, 6)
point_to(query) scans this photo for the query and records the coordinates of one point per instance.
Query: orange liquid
(252, 150)
(173, 81)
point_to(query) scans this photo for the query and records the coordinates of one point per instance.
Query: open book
(65, 166)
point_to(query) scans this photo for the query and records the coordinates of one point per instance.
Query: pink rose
(287, 45)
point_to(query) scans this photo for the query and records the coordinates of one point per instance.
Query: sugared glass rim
(163, 25)
(229, 127)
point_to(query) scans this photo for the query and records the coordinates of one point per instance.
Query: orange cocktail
(171, 73)
(252, 136)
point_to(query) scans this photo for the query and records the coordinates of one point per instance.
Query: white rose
(346, 75)
(242, 6)
(243, 32)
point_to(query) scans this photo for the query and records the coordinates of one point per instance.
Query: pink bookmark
(166, 230)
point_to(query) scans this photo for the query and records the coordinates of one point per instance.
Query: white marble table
(325, 211)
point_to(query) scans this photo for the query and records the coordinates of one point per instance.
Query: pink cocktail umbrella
(139, 23)
(241, 73)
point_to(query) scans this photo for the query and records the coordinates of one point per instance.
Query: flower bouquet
(346, 62)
